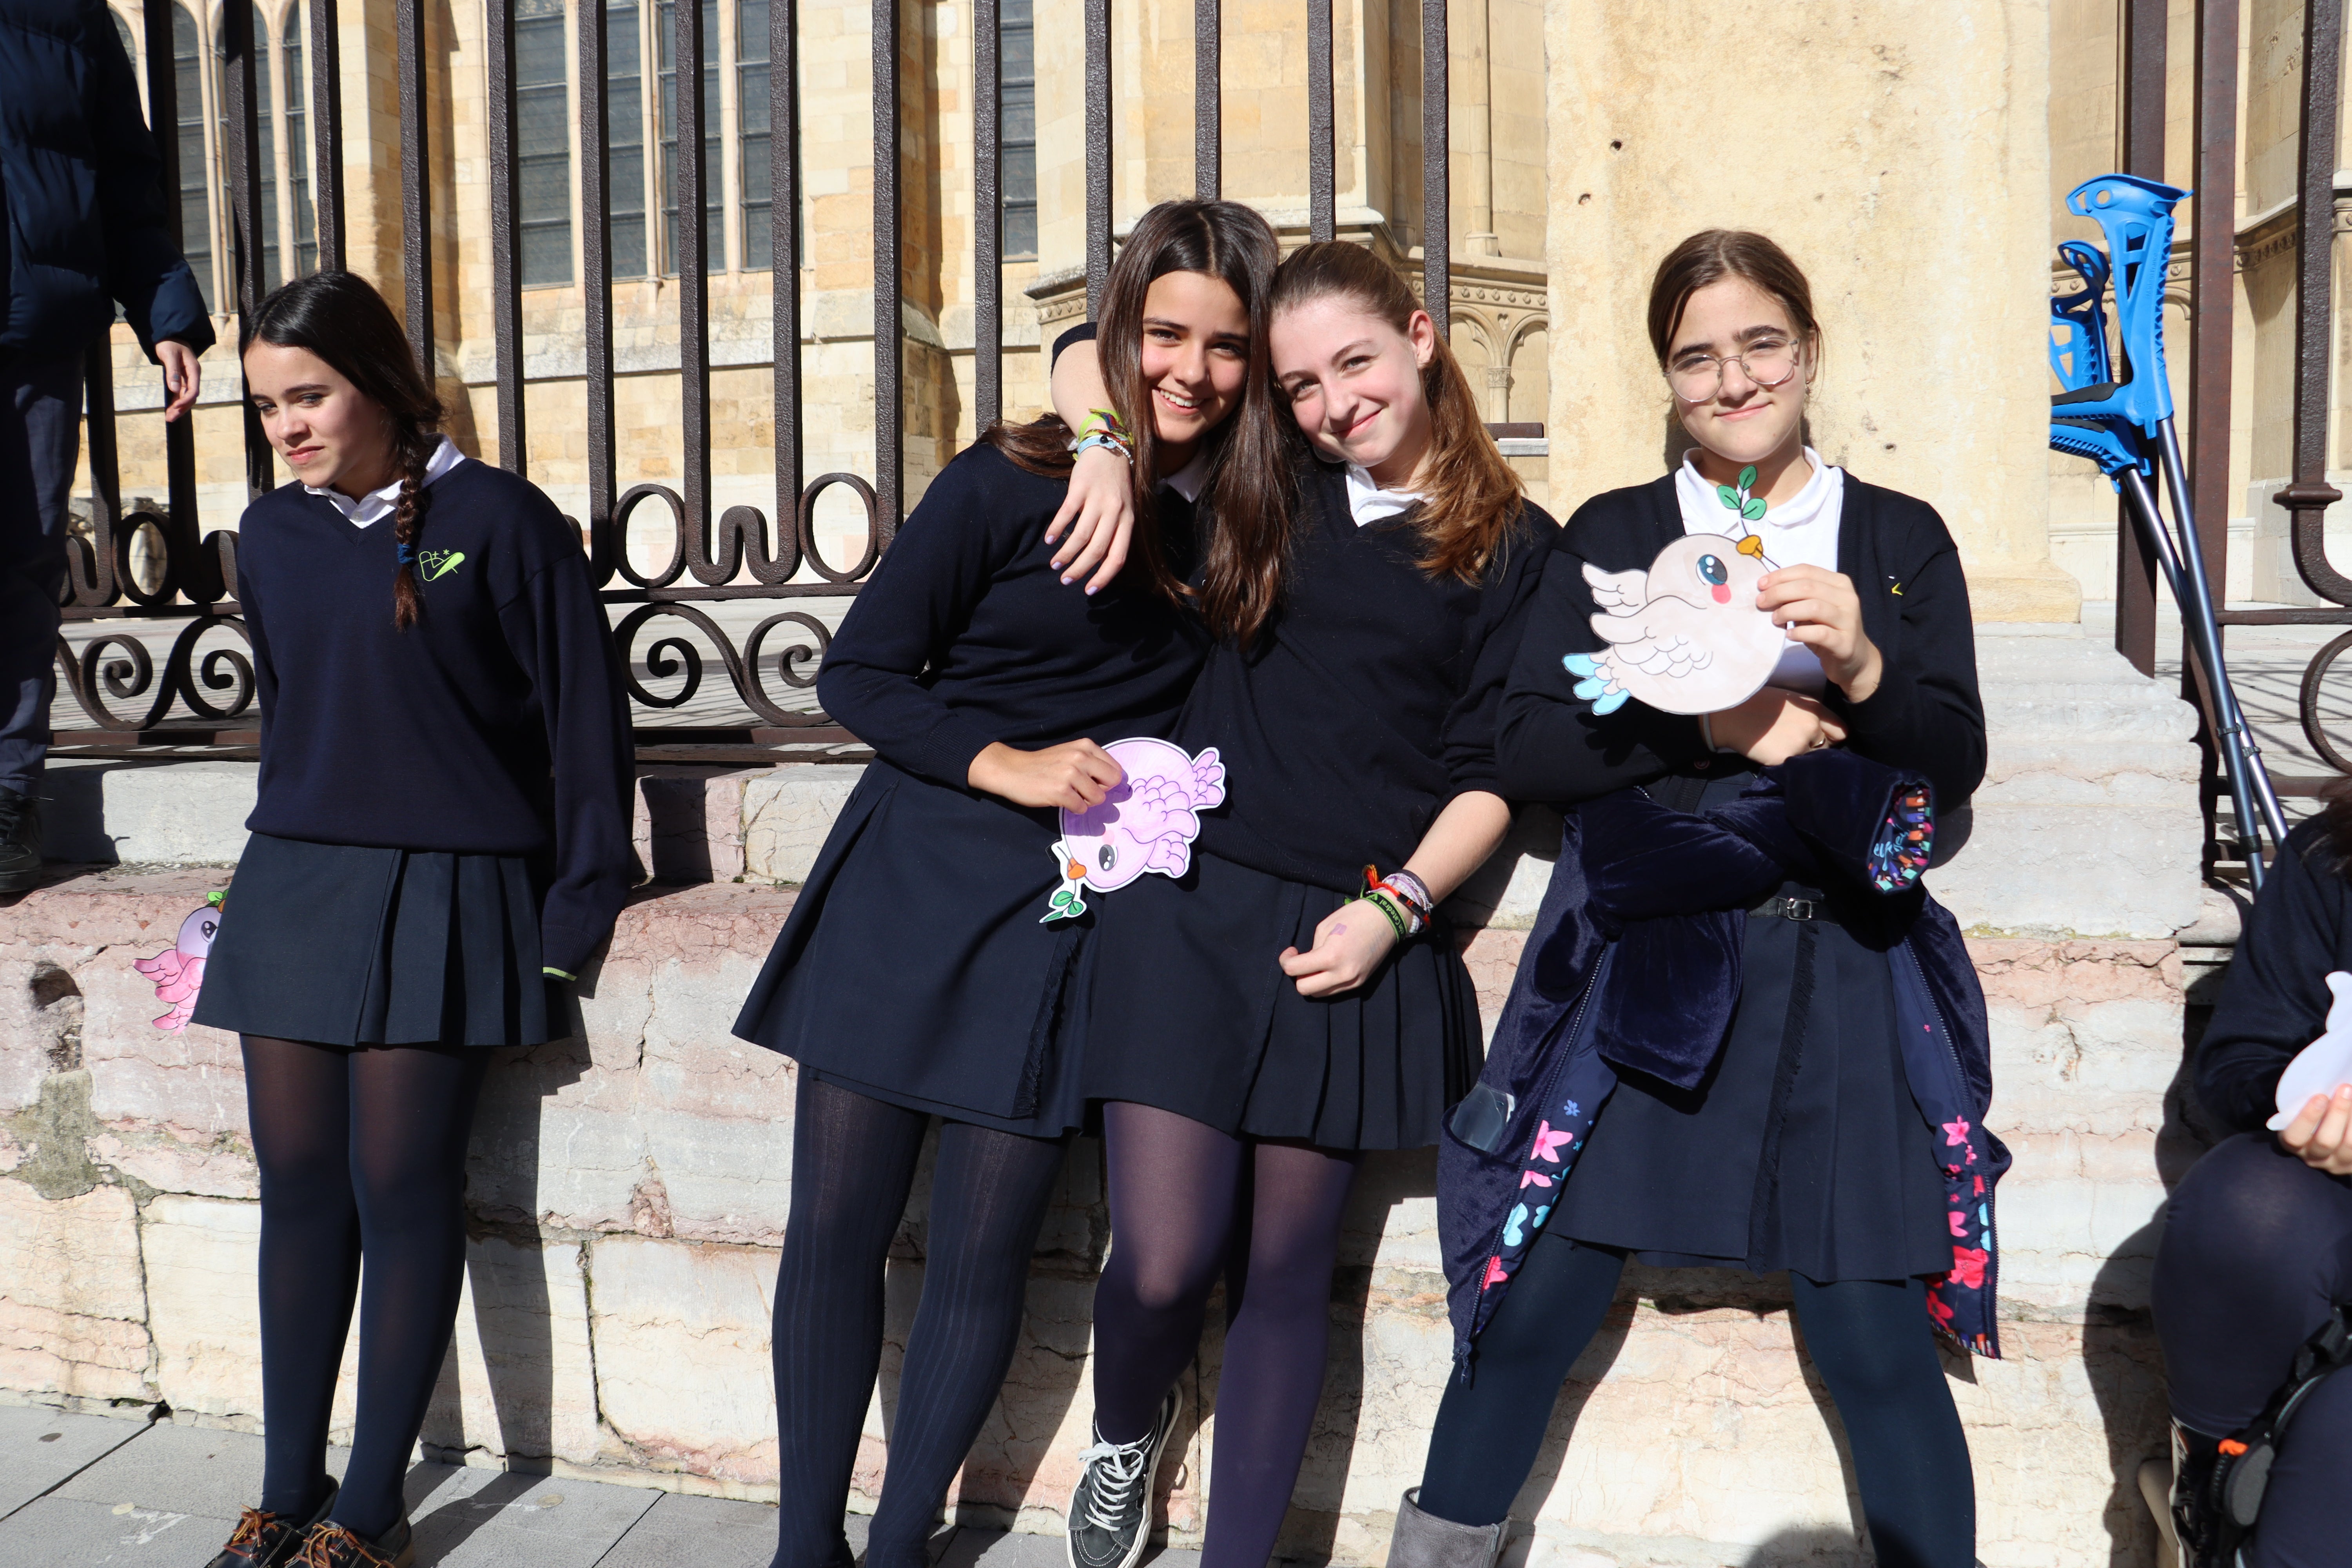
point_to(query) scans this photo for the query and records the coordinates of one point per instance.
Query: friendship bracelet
(1107, 419)
(1380, 903)
(1103, 440)
(1416, 891)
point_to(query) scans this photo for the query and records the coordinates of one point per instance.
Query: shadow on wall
(2120, 1346)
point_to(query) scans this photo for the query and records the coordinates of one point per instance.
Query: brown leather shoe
(330, 1545)
(270, 1539)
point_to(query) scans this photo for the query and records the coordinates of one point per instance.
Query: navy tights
(853, 1163)
(363, 1153)
(2257, 1252)
(1869, 1340)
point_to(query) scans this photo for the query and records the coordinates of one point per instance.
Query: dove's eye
(1711, 568)
(1109, 856)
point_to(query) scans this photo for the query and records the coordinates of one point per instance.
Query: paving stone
(1008, 1548)
(194, 1470)
(40, 1447)
(475, 1519)
(53, 1530)
(709, 1533)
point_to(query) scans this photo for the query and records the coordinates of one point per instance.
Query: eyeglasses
(1768, 362)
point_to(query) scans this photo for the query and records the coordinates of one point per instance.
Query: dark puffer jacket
(86, 219)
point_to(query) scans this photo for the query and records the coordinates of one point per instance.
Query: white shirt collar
(1697, 493)
(1368, 502)
(377, 505)
(1191, 479)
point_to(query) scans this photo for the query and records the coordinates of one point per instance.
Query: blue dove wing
(1596, 683)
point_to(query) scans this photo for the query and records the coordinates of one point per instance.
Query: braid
(407, 598)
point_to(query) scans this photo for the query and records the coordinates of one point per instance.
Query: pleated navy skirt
(1801, 1150)
(343, 945)
(1190, 1012)
(915, 967)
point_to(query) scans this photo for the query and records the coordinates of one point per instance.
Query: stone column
(1900, 152)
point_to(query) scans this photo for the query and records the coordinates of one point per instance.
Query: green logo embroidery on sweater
(439, 564)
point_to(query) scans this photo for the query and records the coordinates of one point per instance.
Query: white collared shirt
(378, 504)
(1192, 478)
(1801, 531)
(1368, 502)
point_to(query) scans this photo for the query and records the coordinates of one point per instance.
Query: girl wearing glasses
(1801, 1150)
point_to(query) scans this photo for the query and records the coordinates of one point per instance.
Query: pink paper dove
(179, 973)
(1147, 822)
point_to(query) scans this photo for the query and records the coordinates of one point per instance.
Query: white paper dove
(1684, 637)
(2320, 1065)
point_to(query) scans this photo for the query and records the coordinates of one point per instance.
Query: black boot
(2209, 1538)
(20, 841)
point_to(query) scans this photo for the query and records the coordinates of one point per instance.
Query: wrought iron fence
(2212, 264)
(203, 694)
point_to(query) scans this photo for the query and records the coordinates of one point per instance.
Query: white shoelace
(1121, 1468)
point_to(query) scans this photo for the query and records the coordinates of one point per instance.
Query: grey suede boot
(1426, 1540)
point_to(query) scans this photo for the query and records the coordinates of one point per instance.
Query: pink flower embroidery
(1959, 1223)
(1547, 1142)
(1956, 1132)
(1937, 1308)
(1968, 1266)
(1495, 1273)
(1533, 1179)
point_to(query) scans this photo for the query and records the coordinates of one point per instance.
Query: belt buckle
(1796, 909)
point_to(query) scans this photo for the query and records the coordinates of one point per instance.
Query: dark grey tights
(363, 1152)
(1187, 1204)
(853, 1161)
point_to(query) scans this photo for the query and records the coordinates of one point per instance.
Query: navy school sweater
(496, 725)
(1371, 699)
(2274, 1000)
(966, 634)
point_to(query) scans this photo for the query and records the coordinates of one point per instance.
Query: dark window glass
(1016, 124)
(265, 194)
(542, 142)
(714, 209)
(196, 170)
(624, 163)
(755, 145)
(298, 141)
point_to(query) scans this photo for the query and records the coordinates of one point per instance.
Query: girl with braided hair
(442, 827)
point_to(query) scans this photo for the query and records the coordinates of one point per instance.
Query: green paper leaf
(1752, 510)
(1748, 476)
(1724, 494)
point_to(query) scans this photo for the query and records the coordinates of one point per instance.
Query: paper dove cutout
(179, 974)
(1684, 637)
(2320, 1065)
(1147, 822)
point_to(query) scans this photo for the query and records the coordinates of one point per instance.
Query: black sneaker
(20, 841)
(270, 1539)
(1110, 1509)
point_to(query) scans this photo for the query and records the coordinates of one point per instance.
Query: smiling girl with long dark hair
(916, 977)
(443, 824)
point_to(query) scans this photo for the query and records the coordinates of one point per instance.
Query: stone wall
(630, 1187)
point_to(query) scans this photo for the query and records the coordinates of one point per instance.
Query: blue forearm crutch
(2125, 425)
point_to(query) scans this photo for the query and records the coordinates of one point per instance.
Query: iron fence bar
(506, 261)
(2141, 120)
(1098, 152)
(1208, 103)
(596, 287)
(2212, 328)
(693, 275)
(105, 467)
(164, 126)
(326, 59)
(415, 169)
(1321, 155)
(243, 154)
(987, 219)
(889, 329)
(1436, 169)
(784, 261)
(2307, 498)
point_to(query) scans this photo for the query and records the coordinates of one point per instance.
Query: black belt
(1782, 907)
